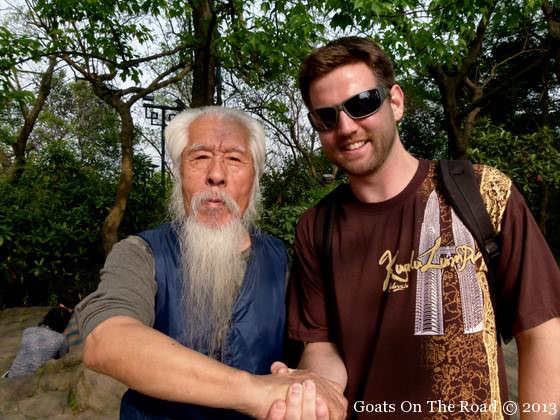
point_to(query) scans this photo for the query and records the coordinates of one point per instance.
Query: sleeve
(528, 272)
(64, 348)
(127, 287)
(307, 310)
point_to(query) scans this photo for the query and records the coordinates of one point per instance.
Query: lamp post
(159, 115)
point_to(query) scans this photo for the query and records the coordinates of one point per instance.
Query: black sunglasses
(358, 106)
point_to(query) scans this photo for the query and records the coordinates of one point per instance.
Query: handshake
(307, 395)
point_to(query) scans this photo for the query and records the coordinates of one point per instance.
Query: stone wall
(60, 389)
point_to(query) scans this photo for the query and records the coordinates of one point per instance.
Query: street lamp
(159, 115)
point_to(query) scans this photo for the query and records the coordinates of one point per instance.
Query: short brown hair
(342, 51)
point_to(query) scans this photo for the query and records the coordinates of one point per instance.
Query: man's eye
(201, 157)
(233, 159)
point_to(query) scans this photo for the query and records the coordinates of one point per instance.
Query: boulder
(60, 389)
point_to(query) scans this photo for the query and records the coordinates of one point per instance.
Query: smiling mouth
(355, 145)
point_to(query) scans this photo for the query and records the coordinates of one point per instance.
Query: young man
(191, 315)
(407, 326)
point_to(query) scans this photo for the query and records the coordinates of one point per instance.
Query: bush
(50, 225)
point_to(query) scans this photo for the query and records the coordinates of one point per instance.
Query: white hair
(177, 138)
(177, 133)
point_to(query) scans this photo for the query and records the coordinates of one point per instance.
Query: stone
(18, 387)
(45, 404)
(51, 392)
(98, 392)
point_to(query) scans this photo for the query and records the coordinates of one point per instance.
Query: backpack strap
(326, 213)
(325, 216)
(462, 191)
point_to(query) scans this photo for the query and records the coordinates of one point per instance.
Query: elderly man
(191, 315)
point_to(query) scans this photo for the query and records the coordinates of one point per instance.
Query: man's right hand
(307, 395)
(301, 403)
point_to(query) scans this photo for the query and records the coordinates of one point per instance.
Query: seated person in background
(191, 315)
(42, 343)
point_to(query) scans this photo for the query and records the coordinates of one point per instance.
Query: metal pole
(163, 147)
(153, 117)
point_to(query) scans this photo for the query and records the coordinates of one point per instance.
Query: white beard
(213, 270)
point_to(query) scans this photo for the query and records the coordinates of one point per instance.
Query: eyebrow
(197, 147)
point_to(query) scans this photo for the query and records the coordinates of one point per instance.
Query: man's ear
(397, 102)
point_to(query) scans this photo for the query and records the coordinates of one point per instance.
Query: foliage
(281, 222)
(50, 225)
(147, 206)
(528, 159)
(287, 194)
(420, 34)
(292, 183)
(532, 161)
(422, 130)
(271, 43)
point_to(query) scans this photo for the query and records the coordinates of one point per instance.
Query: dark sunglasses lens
(363, 104)
(323, 119)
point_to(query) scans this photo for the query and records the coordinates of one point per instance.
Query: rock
(99, 393)
(45, 404)
(60, 389)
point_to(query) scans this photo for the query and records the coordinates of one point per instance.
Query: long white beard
(213, 270)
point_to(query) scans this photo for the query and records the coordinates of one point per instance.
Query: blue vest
(255, 338)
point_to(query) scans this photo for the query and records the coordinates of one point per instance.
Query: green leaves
(529, 159)
(50, 224)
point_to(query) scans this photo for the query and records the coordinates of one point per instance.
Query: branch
(31, 117)
(510, 81)
(157, 83)
(476, 45)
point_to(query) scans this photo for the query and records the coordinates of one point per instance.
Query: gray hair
(177, 134)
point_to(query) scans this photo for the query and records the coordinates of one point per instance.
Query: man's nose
(346, 125)
(216, 175)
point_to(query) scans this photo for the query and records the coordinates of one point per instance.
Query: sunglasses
(359, 106)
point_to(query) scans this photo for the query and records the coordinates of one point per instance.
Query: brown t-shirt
(416, 324)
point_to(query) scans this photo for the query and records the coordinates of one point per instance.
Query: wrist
(248, 390)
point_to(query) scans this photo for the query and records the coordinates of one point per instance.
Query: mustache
(199, 199)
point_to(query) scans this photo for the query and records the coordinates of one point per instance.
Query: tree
(23, 93)
(445, 42)
(100, 42)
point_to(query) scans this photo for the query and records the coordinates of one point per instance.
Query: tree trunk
(204, 67)
(109, 231)
(30, 118)
(448, 87)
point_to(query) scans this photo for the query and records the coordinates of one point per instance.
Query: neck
(246, 241)
(389, 180)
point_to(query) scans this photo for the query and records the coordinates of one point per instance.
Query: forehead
(341, 83)
(212, 132)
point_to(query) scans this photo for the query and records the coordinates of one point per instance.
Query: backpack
(461, 189)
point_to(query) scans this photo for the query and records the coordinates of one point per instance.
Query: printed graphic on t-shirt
(461, 256)
(433, 258)
(453, 313)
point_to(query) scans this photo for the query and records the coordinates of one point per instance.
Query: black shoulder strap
(322, 241)
(324, 223)
(462, 191)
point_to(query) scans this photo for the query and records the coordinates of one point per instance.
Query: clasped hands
(309, 396)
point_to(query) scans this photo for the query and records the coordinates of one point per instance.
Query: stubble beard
(381, 149)
(212, 271)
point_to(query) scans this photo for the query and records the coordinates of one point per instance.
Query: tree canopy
(481, 80)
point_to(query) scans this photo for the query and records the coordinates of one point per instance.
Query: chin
(213, 220)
